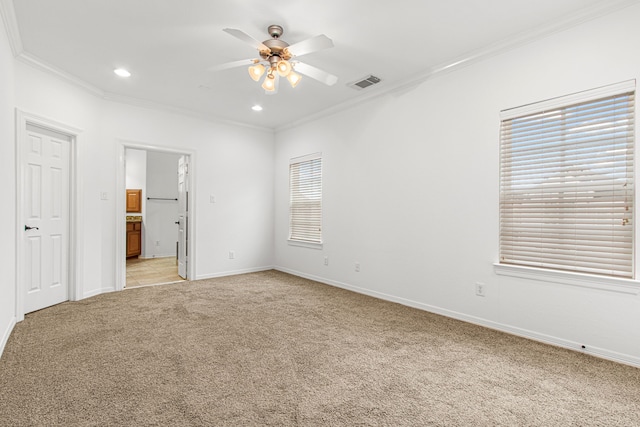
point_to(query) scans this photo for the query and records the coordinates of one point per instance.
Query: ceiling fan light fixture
(284, 68)
(276, 59)
(294, 78)
(269, 83)
(256, 71)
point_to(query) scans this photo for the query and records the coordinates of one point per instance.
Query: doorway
(164, 177)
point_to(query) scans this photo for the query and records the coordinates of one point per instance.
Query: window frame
(316, 182)
(599, 281)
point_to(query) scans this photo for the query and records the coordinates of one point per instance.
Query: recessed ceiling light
(122, 72)
(256, 108)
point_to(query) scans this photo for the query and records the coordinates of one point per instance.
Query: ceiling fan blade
(234, 64)
(246, 38)
(313, 44)
(315, 73)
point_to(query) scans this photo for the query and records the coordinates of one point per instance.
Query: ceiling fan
(278, 59)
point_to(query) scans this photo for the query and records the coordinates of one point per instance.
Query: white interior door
(46, 157)
(183, 215)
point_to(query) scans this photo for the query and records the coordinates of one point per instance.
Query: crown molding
(598, 10)
(15, 41)
(36, 62)
(13, 34)
(41, 65)
(11, 25)
(143, 103)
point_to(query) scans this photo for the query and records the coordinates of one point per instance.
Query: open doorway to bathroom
(156, 217)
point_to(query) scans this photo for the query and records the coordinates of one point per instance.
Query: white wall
(237, 167)
(160, 230)
(410, 191)
(233, 164)
(7, 190)
(136, 169)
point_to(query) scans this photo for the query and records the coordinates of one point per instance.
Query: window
(305, 203)
(566, 183)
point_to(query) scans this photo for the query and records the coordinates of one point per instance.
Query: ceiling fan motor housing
(275, 31)
(276, 48)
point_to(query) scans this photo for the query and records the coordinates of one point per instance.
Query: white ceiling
(169, 44)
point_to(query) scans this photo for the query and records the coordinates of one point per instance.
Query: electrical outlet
(232, 255)
(357, 267)
(212, 199)
(157, 242)
(480, 289)
(326, 260)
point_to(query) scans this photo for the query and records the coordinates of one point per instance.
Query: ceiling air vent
(365, 82)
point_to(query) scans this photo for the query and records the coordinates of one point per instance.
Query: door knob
(26, 227)
(177, 222)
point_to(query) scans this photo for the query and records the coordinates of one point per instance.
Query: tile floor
(151, 271)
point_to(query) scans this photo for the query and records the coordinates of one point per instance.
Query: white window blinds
(567, 186)
(305, 204)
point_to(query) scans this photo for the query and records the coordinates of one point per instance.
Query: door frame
(75, 214)
(121, 223)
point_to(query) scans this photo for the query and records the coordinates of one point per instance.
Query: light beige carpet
(273, 349)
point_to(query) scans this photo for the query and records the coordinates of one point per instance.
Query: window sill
(610, 284)
(300, 243)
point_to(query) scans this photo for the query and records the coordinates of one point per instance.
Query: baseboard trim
(234, 272)
(200, 277)
(97, 292)
(7, 334)
(509, 329)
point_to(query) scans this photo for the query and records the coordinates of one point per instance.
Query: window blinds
(567, 187)
(305, 205)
